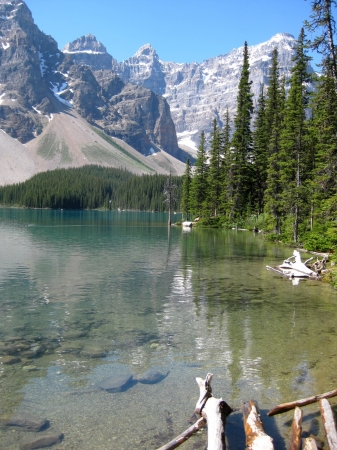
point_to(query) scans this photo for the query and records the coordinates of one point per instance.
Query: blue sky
(179, 30)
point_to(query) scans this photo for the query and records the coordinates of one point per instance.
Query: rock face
(86, 50)
(36, 80)
(197, 92)
(27, 59)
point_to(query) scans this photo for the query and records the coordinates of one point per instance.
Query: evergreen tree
(295, 146)
(242, 142)
(322, 18)
(186, 191)
(214, 173)
(324, 129)
(225, 174)
(199, 180)
(274, 112)
(260, 152)
(169, 196)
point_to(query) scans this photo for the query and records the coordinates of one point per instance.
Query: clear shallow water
(95, 294)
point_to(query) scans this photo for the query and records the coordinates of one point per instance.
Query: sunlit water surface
(96, 294)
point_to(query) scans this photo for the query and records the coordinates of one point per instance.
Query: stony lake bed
(88, 298)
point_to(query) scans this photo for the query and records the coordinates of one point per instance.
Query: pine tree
(225, 174)
(274, 120)
(322, 18)
(242, 142)
(296, 161)
(199, 180)
(260, 153)
(214, 173)
(186, 194)
(169, 196)
(324, 129)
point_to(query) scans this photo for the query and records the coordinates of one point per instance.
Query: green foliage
(199, 181)
(241, 145)
(186, 191)
(89, 187)
(210, 222)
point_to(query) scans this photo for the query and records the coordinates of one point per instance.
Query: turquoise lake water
(88, 295)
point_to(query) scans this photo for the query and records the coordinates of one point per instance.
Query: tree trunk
(215, 411)
(309, 444)
(305, 401)
(185, 435)
(296, 430)
(329, 423)
(256, 437)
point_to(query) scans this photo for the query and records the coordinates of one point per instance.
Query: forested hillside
(90, 187)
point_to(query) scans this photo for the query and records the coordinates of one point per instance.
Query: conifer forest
(273, 167)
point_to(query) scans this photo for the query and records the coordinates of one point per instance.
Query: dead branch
(296, 430)
(256, 437)
(305, 401)
(215, 411)
(329, 423)
(185, 435)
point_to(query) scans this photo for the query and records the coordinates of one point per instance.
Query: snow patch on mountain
(198, 92)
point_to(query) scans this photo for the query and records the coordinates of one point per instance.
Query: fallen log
(296, 430)
(215, 411)
(302, 402)
(256, 437)
(329, 423)
(185, 435)
(309, 444)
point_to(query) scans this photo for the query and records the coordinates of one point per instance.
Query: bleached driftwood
(329, 423)
(215, 411)
(309, 444)
(304, 401)
(185, 435)
(256, 437)
(296, 430)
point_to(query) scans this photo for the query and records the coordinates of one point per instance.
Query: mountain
(79, 106)
(87, 50)
(198, 92)
(64, 114)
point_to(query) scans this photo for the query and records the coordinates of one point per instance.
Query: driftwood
(296, 430)
(256, 437)
(309, 444)
(305, 401)
(329, 423)
(215, 411)
(185, 435)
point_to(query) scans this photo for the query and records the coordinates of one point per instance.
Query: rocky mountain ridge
(38, 83)
(198, 92)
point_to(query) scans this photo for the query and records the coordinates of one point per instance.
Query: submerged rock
(116, 383)
(42, 441)
(93, 351)
(10, 360)
(152, 376)
(27, 423)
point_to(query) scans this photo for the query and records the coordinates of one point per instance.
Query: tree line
(90, 187)
(276, 169)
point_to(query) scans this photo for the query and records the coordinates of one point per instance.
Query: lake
(87, 295)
